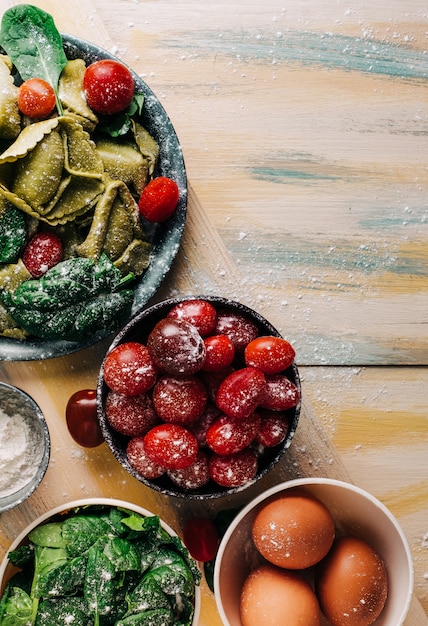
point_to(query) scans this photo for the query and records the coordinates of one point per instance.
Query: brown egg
(294, 531)
(275, 597)
(352, 585)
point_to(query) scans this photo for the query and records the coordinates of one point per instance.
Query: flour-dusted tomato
(129, 369)
(193, 476)
(108, 86)
(137, 457)
(159, 199)
(239, 393)
(270, 354)
(130, 415)
(233, 470)
(176, 346)
(81, 418)
(227, 435)
(219, 353)
(36, 98)
(41, 253)
(273, 428)
(200, 536)
(179, 399)
(200, 313)
(239, 328)
(280, 393)
(171, 446)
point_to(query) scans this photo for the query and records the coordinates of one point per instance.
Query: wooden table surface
(304, 131)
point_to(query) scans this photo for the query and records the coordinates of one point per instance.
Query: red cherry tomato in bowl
(42, 253)
(36, 98)
(81, 418)
(159, 199)
(108, 86)
(201, 538)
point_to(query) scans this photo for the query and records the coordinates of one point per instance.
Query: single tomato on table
(81, 418)
(201, 538)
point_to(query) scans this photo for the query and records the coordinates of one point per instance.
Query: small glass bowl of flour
(24, 446)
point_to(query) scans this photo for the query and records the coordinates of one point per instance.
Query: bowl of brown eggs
(314, 551)
(198, 396)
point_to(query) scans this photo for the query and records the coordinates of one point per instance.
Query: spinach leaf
(72, 301)
(81, 532)
(146, 595)
(65, 580)
(62, 611)
(122, 553)
(22, 556)
(17, 609)
(120, 124)
(171, 573)
(156, 617)
(48, 535)
(100, 584)
(13, 233)
(46, 559)
(30, 38)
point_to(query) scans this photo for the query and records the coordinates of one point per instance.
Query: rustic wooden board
(304, 134)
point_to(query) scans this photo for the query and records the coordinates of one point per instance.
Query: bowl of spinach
(99, 562)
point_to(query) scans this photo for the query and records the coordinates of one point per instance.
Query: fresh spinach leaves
(30, 38)
(72, 300)
(126, 571)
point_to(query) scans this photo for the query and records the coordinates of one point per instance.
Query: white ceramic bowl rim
(113, 502)
(313, 482)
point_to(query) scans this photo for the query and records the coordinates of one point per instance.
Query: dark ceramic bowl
(138, 329)
(165, 237)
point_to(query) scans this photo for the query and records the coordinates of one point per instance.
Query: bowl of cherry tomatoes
(198, 396)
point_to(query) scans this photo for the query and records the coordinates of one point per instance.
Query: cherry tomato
(170, 445)
(159, 199)
(176, 346)
(273, 428)
(228, 435)
(200, 428)
(81, 418)
(108, 86)
(239, 328)
(41, 253)
(137, 457)
(193, 476)
(233, 470)
(200, 536)
(279, 393)
(239, 393)
(36, 98)
(130, 415)
(179, 400)
(220, 353)
(200, 313)
(129, 369)
(270, 354)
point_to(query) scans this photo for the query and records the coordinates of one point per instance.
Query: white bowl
(355, 512)
(7, 569)
(29, 472)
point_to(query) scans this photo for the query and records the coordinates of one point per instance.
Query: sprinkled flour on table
(19, 453)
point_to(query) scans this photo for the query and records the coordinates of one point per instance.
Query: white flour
(19, 453)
